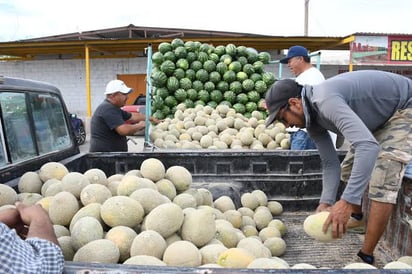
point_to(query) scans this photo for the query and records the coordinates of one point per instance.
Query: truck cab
(35, 127)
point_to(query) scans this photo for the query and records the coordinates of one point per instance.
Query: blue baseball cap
(293, 52)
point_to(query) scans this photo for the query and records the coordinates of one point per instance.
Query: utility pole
(306, 17)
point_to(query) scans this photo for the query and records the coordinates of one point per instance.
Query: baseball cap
(278, 96)
(293, 52)
(117, 86)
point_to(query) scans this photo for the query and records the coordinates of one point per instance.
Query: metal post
(148, 93)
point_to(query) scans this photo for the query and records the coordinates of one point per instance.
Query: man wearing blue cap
(298, 61)
(373, 111)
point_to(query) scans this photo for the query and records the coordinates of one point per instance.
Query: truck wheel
(81, 135)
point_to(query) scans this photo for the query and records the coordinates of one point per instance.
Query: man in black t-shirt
(108, 127)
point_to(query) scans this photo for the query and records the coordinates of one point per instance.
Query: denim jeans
(300, 140)
(408, 172)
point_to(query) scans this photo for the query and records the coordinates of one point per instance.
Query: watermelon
(197, 85)
(248, 85)
(162, 92)
(189, 103)
(252, 55)
(214, 57)
(229, 96)
(190, 46)
(190, 74)
(204, 47)
(199, 102)
(226, 58)
(222, 86)
(172, 83)
(158, 114)
(255, 77)
(225, 102)
(258, 66)
(185, 83)
(179, 73)
(235, 66)
(250, 107)
(170, 56)
(196, 65)
(253, 96)
(231, 49)
(213, 104)
(203, 95)
(181, 95)
(180, 52)
(177, 42)
(242, 60)
(268, 78)
(236, 87)
(241, 76)
(202, 57)
(264, 57)
(192, 94)
(261, 87)
(216, 95)
(158, 58)
(157, 102)
(168, 67)
(229, 76)
(248, 69)
(159, 79)
(214, 77)
(182, 63)
(202, 75)
(220, 50)
(209, 86)
(242, 98)
(221, 68)
(191, 56)
(164, 47)
(239, 108)
(209, 66)
(170, 101)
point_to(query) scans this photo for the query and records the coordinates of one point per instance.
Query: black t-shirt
(104, 137)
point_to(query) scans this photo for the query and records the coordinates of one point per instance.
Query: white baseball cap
(117, 86)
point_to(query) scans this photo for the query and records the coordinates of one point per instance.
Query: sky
(23, 19)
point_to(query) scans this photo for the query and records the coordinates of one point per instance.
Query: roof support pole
(87, 69)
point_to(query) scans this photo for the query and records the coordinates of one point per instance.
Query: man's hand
(323, 207)
(339, 215)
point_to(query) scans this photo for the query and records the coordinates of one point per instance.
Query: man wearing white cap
(108, 127)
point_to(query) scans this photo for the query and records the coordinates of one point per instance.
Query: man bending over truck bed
(373, 111)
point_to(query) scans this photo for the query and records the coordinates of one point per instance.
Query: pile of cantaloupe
(204, 127)
(154, 216)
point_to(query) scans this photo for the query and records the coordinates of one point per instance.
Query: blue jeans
(300, 140)
(408, 172)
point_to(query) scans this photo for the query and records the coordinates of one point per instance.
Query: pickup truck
(36, 128)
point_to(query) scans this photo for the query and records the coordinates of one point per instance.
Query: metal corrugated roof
(131, 41)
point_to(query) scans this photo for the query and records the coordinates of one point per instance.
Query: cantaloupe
(30, 182)
(94, 193)
(29, 198)
(149, 198)
(144, 260)
(210, 253)
(269, 232)
(148, 242)
(275, 208)
(115, 177)
(207, 196)
(245, 211)
(166, 219)
(53, 189)
(255, 247)
(127, 185)
(198, 227)
(234, 217)
(47, 184)
(85, 230)
(152, 169)
(8, 196)
(249, 230)
(121, 210)
(90, 210)
(112, 186)
(45, 202)
(303, 266)
(183, 254)
(224, 203)
(276, 245)
(96, 176)
(261, 196)
(185, 200)
(60, 231)
(406, 259)
(227, 236)
(266, 263)
(173, 238)
(279, 225)
(122, 237)
(359, 266)
(51, 170)
(98, 251)
(74, 182)
(65, 243)
(397, 265)
(180, 177)
(235, 258)
(63, 206)
(248, 200)
(313, 226)
(167, 188)
(262, 217)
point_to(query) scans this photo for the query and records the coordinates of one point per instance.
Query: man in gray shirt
(372, 110)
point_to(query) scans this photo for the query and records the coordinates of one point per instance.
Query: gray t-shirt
(353, 105)
(104, 137)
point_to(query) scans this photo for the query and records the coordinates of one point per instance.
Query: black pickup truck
(36, 128)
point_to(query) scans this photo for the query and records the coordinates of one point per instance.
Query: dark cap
(293, 52)
(278, 96)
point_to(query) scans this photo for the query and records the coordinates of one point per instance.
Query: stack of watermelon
(196, 73)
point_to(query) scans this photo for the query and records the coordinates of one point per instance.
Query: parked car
(78, 129)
